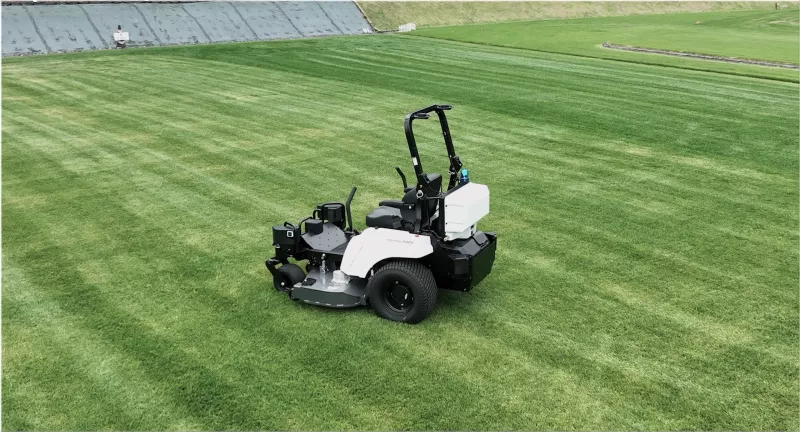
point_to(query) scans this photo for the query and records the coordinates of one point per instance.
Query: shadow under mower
(411, 246)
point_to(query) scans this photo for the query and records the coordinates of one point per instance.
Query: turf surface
(388, 15)
(761, 35)
(646, 275)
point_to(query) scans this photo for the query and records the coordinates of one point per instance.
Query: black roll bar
(423, 114)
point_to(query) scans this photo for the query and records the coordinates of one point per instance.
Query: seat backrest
(433, 188)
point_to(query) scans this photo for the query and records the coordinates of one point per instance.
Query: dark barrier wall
(48, 28)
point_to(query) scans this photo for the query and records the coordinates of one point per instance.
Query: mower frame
(457, 260)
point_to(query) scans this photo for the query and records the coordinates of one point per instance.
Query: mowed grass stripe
(316, 123)
(130, 112)
(643, 279)
(136, 396)
(556, 103)
(195, 322)
(745, 34)
(187, 315)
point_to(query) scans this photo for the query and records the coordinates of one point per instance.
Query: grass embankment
(761, 35)
(389, 15)
(646, 275)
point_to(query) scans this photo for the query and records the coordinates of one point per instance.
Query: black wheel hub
(398, 297)
(284, 283)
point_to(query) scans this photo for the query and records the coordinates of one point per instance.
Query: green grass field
(646, 275)
(388, 15)
(762, 35)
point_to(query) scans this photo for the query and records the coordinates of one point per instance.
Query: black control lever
(347, 208)
(402, 176)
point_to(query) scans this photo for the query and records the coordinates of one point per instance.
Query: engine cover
(463, 208)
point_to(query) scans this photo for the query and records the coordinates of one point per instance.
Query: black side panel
(462, 264)
(482, 262)
(285, 238)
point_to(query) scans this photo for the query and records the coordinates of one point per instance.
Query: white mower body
(377, 244)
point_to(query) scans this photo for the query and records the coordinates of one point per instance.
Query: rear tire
(287, 276)
(402, 291)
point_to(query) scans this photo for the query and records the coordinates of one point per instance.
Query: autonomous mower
(410, 248)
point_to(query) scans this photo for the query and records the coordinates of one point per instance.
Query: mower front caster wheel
(403, 291)
(287, 276)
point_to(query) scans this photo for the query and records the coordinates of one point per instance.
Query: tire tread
(293, 271)
(422, 277)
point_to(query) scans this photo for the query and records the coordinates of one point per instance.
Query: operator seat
(394, 214)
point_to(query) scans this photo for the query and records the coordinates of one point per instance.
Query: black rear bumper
(482, 262)
(464, 263)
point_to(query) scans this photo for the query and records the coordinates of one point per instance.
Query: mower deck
(320, 290)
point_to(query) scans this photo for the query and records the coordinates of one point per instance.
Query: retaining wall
(50, 28)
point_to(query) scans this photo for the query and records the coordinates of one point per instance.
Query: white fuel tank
(463, 209)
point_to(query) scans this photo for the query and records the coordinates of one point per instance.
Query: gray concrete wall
(47, 28)
(221, 21)
(267, 20)
(106, 17)
(346, 16)
(309, 18)
(19, 33)
(65, 28)
(172, 24)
